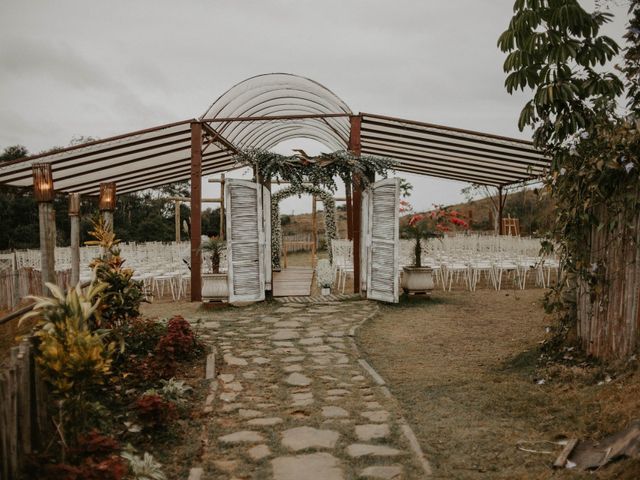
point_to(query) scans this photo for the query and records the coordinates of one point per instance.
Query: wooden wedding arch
(260, 112)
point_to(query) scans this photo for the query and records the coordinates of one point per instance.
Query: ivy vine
(276, 227)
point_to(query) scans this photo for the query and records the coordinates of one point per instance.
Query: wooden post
(47, 244)
(44, 194)
(177, 204)
(347, 189)
(196, 209)
(107, 217)
(355, 149)
(16, 280)
(500, 209)
(222, 222)
(314, 233)
(74, 220)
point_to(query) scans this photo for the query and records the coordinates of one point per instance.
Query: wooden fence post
(47, 219)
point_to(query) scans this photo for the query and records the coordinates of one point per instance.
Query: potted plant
(324, 276)
(214, 283)
(417, 278)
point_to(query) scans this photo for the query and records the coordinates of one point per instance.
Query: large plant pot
(417, 280)
(325, 290)
(215, 286)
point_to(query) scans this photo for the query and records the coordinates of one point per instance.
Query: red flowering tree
(433, 224)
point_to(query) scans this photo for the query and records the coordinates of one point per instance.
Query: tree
(555, 49)
(13, 153)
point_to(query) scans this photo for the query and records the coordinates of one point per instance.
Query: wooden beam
(177, 215)
(202, 200)
(196, 211)
(355, 148)
(274, 117)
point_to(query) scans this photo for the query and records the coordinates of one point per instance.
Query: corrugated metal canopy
(451, 153)
(135, 161)
(265, 110)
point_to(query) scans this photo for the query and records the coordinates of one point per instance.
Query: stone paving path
(293, 401)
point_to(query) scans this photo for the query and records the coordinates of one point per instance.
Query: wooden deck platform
(293, 282)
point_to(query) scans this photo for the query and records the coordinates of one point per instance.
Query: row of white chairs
(467, 260)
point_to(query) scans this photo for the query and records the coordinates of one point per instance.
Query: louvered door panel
(245, 240)
(266, 222)
(384, 241)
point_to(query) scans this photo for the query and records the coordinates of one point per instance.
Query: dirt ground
(463, 366)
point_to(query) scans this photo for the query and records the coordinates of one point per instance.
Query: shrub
(155, 412)
(122, 297)
(181, 339)
(145, 468)
(96, 458)
(74, 360)
(141, 335)
(172, 390)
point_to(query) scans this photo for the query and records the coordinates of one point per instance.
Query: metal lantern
(107, 200)
(43, 182)
(74, 204)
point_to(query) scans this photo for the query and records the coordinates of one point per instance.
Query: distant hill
(533, 211)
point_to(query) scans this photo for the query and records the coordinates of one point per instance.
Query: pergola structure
(262, 112)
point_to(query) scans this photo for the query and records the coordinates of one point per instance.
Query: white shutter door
(382, 265)
(365, 241)
(266, 222)
(245, 240)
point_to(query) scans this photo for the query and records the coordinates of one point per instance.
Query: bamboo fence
(23, 410)
(608, 318)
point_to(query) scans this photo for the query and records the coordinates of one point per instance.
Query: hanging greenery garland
(321, 170)
(276, 227)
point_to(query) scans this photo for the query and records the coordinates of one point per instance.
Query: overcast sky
(89, 68)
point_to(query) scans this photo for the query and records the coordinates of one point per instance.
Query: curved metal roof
(275, 96)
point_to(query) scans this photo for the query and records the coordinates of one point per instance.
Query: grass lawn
(464, 368)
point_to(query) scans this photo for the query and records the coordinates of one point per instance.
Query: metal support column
(500, 211)
(177, 214)
(196, 211)
(355, 149)
(347, 191)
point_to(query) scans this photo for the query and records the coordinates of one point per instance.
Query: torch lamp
(43, 182)
(107, 202)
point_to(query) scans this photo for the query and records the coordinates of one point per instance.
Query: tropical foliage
(555, 48)
(108, 384)
(122, 295)
(214, 248)
(74, 359)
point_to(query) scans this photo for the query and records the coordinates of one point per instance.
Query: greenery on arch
(321, 170)
(329, 217)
